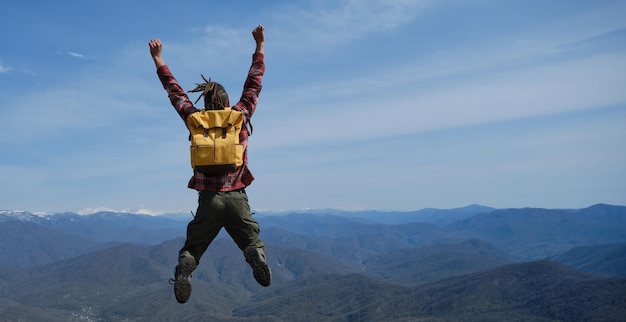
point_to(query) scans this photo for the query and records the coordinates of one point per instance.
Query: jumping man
(222, 199)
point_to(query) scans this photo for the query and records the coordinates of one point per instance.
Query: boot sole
(261, 272)
(182, 285)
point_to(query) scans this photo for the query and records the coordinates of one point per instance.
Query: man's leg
(205, 226)
(200, 233)
(244, 230)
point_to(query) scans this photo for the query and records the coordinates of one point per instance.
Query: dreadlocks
(215, 96)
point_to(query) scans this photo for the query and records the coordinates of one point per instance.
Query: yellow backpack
(214, 136)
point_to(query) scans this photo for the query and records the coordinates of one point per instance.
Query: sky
(391, 105)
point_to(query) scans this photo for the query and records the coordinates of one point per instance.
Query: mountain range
(467, 264)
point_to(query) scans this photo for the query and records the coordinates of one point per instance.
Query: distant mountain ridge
(439, 217)
(527, 233)
(105, 227)
(427, 215)
(532, 233)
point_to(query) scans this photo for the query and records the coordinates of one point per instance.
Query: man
(222, 200)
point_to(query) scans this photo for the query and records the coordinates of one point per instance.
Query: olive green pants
(229, 210)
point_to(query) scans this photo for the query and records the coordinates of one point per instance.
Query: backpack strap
(246, 121)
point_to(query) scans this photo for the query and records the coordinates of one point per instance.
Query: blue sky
(366, 104)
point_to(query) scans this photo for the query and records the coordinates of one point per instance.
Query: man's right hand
(155, 47)
(259, 36)
(155, 51)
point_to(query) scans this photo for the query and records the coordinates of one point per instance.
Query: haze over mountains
(473, 264)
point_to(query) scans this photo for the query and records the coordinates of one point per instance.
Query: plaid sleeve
(178, 96)
(252, 87)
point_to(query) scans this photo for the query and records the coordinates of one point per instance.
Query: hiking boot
(256, 258)
(182, 278)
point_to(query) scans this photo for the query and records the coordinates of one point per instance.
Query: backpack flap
(214, 134)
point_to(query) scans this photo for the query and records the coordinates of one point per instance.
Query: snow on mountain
(16, 214)
(91, 211)
(134, 211)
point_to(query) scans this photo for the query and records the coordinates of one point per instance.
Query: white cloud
(330, 23)
(83, 104)
(326, 24)
(29, 72)
(3, 68)
(78, 55)
(73, 54)
(516, 93)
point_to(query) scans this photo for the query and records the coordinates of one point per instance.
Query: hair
(215, 96)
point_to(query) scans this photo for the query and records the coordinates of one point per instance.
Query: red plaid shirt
(242, 177)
